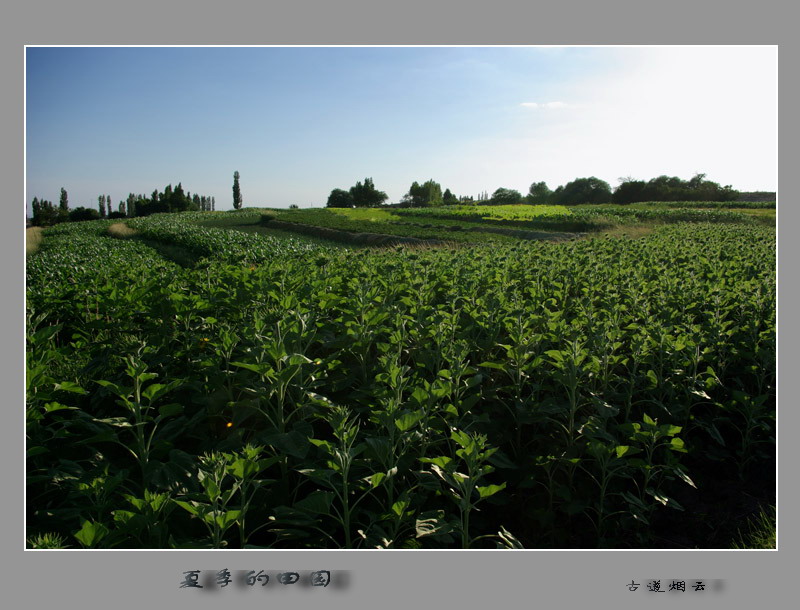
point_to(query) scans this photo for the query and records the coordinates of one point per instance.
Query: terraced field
(489, 224)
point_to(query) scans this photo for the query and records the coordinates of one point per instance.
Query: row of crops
(583, 218)
(384, 222)
(470, 224)
(183, 232)
(741, 205)
(278, 394)
(487, 223)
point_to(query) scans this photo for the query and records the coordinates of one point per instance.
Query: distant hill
(756, 196)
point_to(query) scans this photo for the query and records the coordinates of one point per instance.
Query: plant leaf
(91, 533)
(486, 491)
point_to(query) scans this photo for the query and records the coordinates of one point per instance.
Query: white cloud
(547, 105)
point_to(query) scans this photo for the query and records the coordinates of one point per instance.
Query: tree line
(360, 195)
(594, 190)
(365, 195)
(169, 200)
(429, 193)
(580, 190)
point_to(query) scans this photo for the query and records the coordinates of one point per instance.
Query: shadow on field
(172, 253)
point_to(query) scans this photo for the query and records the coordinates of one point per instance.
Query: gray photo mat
(393, 579)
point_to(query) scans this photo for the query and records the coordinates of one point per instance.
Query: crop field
(579, 218)
(386, 222)
(197, 383)
(474, 224)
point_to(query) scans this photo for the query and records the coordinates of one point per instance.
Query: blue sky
(298, 122)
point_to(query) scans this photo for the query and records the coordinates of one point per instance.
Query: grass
(121, 231)
(33, 239)
(368, 214)
(631, 231)
(762, 214)
(761, 531)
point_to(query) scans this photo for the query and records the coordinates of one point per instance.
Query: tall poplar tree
(63, 206)
(237, 193)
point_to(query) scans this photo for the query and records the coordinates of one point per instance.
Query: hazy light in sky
(546, 105)
(297, 122)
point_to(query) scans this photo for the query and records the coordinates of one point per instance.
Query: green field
(475, 224)
(212, 381)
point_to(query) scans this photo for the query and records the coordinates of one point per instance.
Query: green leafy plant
(142, 418)
(47, 540)
(465, 488)
(228, 486)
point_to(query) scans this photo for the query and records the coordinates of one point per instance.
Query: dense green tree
(539, 193)
(582, 190)
(672, 188)
(504, 196)
(663, 188)
(700, 189)
(130, 205)
(448, 198)
(151, 205)
(53, 214)
(172, 199)
(179, 201)
(366, 195)
(421, 195)
(81, 213)
(63, 206)
(629, 191)
(101, 205)
(340, 198)
(237, 193)
(48, 213)
(44, 214)
(413, 198)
